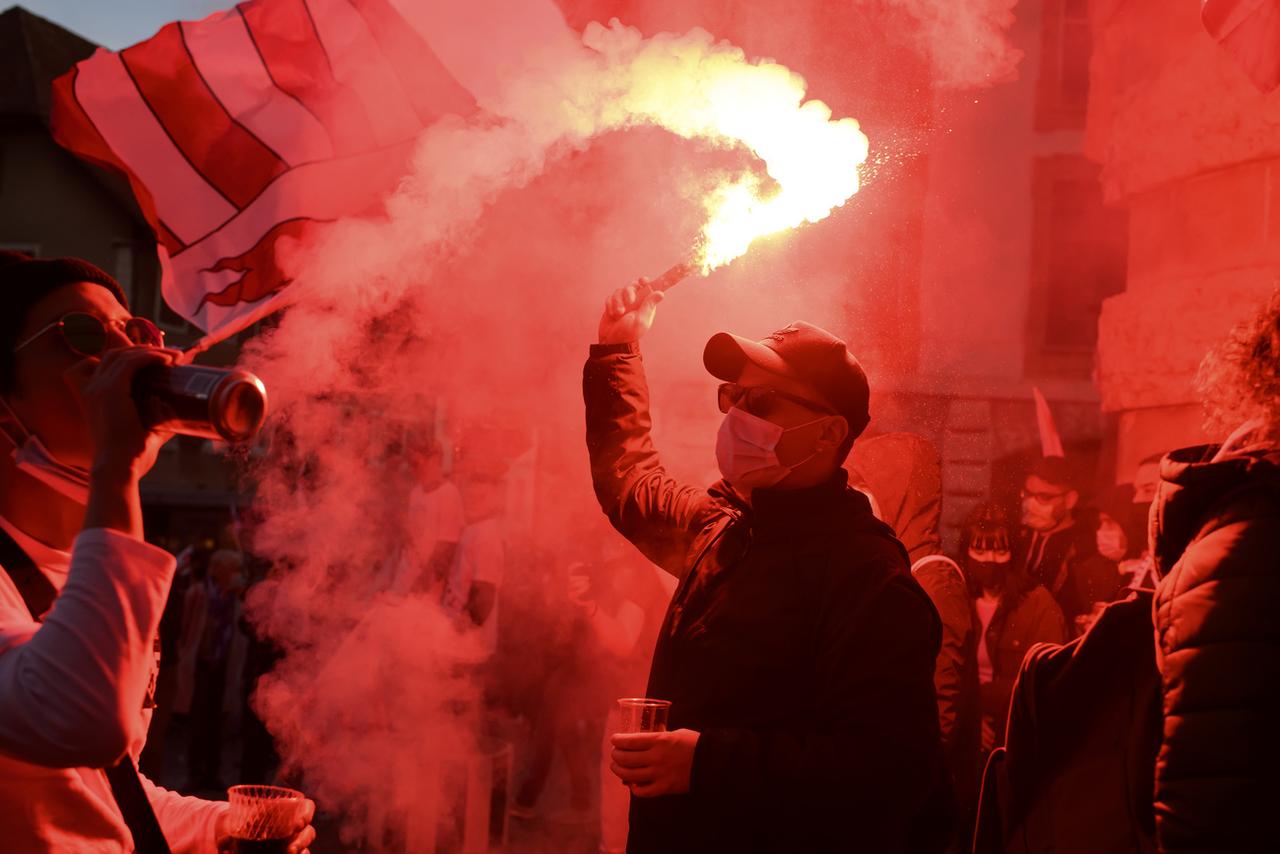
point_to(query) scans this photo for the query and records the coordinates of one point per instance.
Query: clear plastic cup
(263, 818)
(643, 714)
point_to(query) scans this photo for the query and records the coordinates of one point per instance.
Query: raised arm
(651, 509)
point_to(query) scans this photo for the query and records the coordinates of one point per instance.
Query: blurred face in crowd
(1145, 482)
(41, 397)
(988, 557)
(1046, 506)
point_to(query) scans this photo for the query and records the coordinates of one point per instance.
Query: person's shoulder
(1040, 597)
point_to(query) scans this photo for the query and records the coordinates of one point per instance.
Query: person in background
(902, 475)
(435, 522)
(168, 682)
(220, 596)
(1014, 612)
(1058, 543)
(470, 592)
(1216, 547)
(621, 603)
(81, 593)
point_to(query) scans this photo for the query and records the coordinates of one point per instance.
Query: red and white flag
(1249, 30)
(255, 124)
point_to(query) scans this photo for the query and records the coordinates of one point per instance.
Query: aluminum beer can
(228, 404)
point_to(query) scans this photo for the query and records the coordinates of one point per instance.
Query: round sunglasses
(760, 400)
(86, 334)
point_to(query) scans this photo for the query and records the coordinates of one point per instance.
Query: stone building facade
(1191, 150)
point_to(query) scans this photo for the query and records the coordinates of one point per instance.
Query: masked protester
(1058, 543)
(901, 475)
(1013, 612)
(1216, 545)
(798, 652)
(81, 594)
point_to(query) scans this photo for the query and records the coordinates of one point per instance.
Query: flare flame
(697, 89)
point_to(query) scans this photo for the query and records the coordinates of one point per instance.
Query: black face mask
(987, 573)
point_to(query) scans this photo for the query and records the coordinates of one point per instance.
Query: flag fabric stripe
(320, 191)
(431, 89)
(288, 42)
(79, 134)
(184, 200)
(230, 64)
(230, 158)
(359, 65)
(242, 133)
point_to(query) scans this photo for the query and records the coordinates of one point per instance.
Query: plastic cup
(643, 714)
(263, 818)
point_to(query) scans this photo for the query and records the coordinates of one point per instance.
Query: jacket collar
(1193, 481)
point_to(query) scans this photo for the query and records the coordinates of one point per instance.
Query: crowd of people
(1089, 669)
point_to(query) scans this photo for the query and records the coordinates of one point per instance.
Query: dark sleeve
(874, 739)
(648, 507)
(952, 604)
(1218, 647)
(1047, 626)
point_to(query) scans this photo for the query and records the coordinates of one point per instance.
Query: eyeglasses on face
(87, 334)
(761, 400)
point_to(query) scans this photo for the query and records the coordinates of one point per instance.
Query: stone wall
(1193, 151)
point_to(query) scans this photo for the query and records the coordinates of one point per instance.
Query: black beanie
(24, 281)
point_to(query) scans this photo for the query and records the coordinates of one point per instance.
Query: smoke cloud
(966, 40)
(462, 311)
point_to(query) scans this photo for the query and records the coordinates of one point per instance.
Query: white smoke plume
(462, 310)
(966, 40)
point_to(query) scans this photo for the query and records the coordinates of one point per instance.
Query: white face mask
(747, 450)
(33, 458)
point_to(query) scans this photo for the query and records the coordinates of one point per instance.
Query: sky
(119, 23)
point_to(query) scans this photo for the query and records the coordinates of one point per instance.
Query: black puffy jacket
(1216, 542)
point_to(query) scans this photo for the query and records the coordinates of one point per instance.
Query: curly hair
(1239, 379)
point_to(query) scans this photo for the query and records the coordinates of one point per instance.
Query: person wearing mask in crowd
(1058, 546)
(902, 476)
(1014, 612)
(435, 522)
(81, 593)
(798, 652)
(1216, 547)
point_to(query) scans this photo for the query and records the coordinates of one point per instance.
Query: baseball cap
(803, 352)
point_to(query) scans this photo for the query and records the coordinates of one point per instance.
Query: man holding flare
(798, 652)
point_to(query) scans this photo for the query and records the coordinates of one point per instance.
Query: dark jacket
(1084, 723)
(904, 474)
(1216, 537)
(1019, 623)
(1069, 566)
(796, 643)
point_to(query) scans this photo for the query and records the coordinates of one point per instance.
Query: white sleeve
(188, 823)
(72, 687)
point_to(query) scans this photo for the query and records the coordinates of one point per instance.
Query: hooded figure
(903, 475)
(1216, 544)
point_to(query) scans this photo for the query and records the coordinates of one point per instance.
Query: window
(1078, 254)
(1065, 46)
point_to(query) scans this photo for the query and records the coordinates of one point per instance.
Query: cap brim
(726, 354)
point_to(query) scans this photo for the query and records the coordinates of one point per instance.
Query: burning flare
(695, 88)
